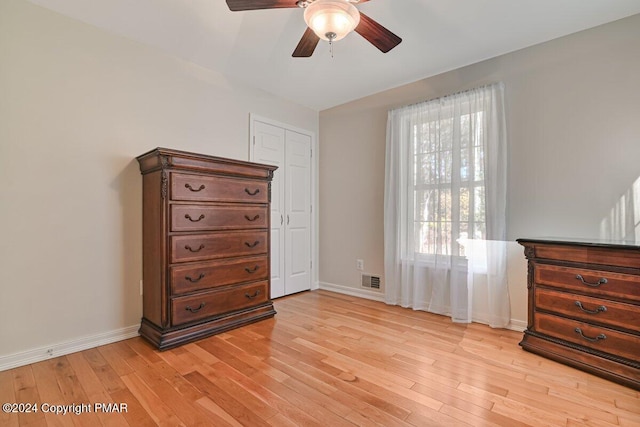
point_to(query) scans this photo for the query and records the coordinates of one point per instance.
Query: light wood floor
(324, 360)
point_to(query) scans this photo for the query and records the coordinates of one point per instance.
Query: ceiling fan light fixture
(331, 20)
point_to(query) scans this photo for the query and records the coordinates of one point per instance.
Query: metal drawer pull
(252, 219)
(252, 296)
(189, 248)
(601, 308)
(193, 189)
(596, 339)
(251, 270)
(195, 310)
(602, 281)
(252, 245)
(200, 218)
(189, 278)
(246, 190)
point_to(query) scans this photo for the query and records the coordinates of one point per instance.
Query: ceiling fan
(329, 20)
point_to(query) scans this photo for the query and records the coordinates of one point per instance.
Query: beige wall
(573, 113)
(77, 105)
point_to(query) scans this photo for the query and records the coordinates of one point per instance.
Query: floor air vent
(371, 282)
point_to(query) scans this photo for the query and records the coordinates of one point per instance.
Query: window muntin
(448, 188)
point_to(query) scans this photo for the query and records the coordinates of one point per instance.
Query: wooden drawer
(596, 337)
(600, 283)
(216, 189)
(209, 304)
(199, 247)
(592, 310)
(621, 257)
(203, 275)
(225, 217)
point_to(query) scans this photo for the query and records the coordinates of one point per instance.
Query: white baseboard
(39, 354)
(354, 292)
(514, 324)
(517, 325)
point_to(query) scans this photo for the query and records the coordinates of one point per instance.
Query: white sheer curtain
(445, 207)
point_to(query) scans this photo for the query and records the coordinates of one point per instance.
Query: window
(448, 182)
(445, 207)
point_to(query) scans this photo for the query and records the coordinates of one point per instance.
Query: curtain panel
(445, 207)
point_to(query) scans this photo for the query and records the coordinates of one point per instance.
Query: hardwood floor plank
(436, 419)
(325, 359)
(589, 423)
(135, 415)
(629, 422)
(629, 405)
(243, 362)
(116, 357)
(290, 368)
(348, 392)
(94, 390)
(528, 414)
(248, 399)
(182, 405)
(105, 372)
(424, 375)
(50, 392)
(261, 388)
(218, 416)
(26, 391)
(72, 390)
(203, 357)
(7, 395)
(454, 397)
(347, 364)
(177, 381)
(152, 404)
(288, 398)
(229, 403)
(144, 349)
(281, 421)
(375, 394)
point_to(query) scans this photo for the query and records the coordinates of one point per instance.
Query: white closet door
(298, 210)
(269, 148)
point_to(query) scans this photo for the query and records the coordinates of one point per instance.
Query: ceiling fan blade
(239, 5)
(306, 45)
(376, 34)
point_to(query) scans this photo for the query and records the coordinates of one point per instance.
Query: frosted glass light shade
(328, 17)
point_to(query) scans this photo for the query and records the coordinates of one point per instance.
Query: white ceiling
(254, 47)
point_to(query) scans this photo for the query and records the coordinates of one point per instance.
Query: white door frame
(314, 183)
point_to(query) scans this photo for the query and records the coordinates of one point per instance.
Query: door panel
(277, 262)
(269, 148)
(299, 259)
(298, 207)
(290, 205)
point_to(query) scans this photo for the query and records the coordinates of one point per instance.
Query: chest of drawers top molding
(206, 240)
(176, 160)
(610, 256)
(584, 305)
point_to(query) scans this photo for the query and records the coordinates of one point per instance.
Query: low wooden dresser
(206, 241)
(584, 306)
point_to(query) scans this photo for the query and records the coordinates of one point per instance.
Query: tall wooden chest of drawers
(584, 306)
(206, 241)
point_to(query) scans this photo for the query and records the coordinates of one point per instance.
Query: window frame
(457, 182)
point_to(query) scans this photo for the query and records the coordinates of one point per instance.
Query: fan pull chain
(331, 37)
